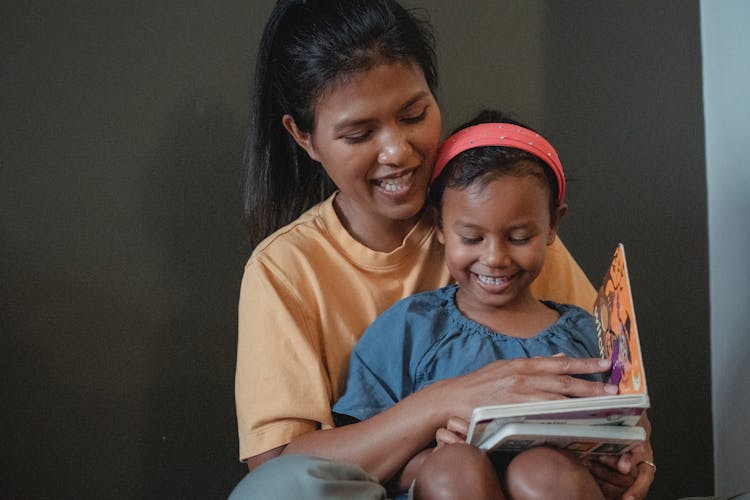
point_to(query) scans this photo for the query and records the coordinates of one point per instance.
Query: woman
(345, 97)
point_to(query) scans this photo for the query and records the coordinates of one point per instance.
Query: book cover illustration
(614, 317)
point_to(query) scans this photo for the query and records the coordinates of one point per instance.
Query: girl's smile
(495, 234)
(495, 284)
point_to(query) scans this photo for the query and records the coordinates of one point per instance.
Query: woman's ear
(304, 139)
(555, 222)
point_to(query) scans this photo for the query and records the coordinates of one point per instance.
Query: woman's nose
(395, 149)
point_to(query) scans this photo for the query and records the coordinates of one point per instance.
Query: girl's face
(495, 238)
(376, 133)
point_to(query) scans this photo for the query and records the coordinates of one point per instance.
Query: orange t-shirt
(309, 291)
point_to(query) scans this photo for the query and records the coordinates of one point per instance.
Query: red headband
(501, 134)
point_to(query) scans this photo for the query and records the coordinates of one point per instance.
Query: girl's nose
(495, 255)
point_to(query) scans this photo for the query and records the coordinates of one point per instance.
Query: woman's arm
(262, 458)
(403, 478)
(385, 443)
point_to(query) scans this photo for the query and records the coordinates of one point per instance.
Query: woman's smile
(398, 185)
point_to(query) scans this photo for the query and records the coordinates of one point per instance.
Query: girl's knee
(549, 473)
(457, 471)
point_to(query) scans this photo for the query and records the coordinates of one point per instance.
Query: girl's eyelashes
(474, 240)
(519, 241)
(469, 240)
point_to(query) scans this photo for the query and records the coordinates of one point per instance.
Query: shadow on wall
(192, 209)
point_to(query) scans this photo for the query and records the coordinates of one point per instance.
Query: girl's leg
(457, 471)
(550, 474)
(296, 477)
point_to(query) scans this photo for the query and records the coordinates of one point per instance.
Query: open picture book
(602, 425)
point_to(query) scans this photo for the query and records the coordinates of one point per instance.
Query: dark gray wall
(623, 99)
(121, 246)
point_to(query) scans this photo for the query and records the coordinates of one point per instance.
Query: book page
(614, 316)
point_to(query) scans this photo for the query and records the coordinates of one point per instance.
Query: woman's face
(376, 133)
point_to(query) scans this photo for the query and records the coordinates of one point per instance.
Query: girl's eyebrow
(466, 225)
(356, 122)
(470, 225)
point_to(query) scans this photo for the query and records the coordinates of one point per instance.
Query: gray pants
(296, 477)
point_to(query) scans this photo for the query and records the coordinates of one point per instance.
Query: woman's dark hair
(307, 46)
(487, 163)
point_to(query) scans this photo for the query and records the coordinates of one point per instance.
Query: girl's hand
(453, 432)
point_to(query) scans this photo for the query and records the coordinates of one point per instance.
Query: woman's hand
(454, 432)
(612, 480)
(522, 380)
(629, 476)
(643, 462)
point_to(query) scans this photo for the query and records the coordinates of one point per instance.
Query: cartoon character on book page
(615, 320)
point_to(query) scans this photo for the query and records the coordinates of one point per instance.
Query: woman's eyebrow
(351, 123)
(417, 97)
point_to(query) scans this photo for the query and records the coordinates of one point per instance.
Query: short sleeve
(281, 387)
(383, 364)
(562, 280)
(377, 378)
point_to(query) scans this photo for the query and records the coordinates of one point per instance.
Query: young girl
(345, 129)
(499, 190)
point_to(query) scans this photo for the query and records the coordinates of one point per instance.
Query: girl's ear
(555, 223)
(304, 139)
(440, 234)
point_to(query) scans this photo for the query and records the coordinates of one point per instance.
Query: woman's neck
(376, 233)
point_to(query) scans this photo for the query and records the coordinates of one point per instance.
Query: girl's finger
(458, 425)
(444, 436)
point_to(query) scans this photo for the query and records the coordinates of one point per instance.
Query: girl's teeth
(489, 280)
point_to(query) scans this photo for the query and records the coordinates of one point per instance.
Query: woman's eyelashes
(416, 118)
(356, 137)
